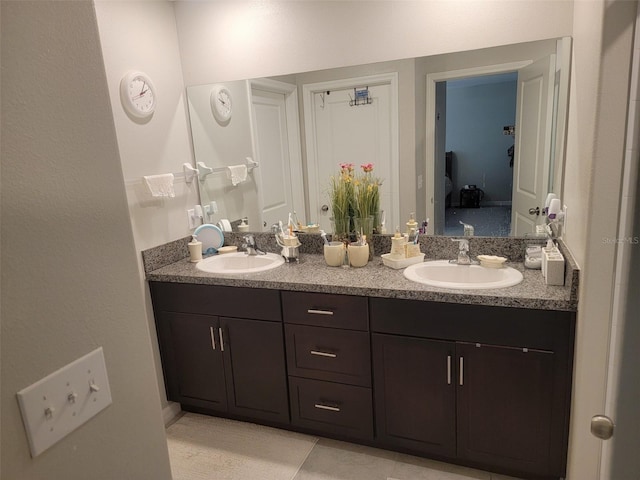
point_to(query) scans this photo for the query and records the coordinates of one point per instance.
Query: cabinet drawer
(237, 302)
(326, 310)
(343, 410)
(329, 354)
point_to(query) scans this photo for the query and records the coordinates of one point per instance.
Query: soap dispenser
(412, 225)
(398, 242)
(195, 249)
(243, 227)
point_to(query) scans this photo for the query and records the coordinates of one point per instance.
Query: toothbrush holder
(358, 254)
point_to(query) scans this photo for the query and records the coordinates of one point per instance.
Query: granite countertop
(311, 274)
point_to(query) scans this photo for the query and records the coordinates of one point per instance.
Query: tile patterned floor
(327, 460)
(334, 460)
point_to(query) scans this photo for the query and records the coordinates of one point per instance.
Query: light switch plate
(56, 405)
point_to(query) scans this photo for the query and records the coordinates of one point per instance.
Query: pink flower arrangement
(367, 196)
(348, 167)
(354, 194)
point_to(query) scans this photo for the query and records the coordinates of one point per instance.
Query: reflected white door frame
(290, 166)
(430, 139)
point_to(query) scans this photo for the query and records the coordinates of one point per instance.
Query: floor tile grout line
(315, 442)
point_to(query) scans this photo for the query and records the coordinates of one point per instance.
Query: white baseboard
(170, 412)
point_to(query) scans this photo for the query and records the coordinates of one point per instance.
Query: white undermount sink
(441, 273)
(239, 263)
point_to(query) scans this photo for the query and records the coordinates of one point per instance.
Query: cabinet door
(505, 408)
(414, 393)
(255, 365)
(192, 359)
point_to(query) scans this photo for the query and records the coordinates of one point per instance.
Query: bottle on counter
(195, 249)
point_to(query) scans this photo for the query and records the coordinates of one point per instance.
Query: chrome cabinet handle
(213, 338)
(448, 369)
(326, 407)
(461, 371)
(323, 354)
(221, 339)
(319, 312)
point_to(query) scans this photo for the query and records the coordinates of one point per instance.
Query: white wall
(222, 145)
(142, 36)
(69, 276)
(230, 40)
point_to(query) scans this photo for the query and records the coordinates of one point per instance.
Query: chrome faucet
(249, 244)
(463, 252)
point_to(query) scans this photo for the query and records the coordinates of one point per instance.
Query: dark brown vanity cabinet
(507, 410)
(487, 386)
(213, 358)
(415, 393)
(329, 362)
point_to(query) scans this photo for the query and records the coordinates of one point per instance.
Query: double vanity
(476, 377)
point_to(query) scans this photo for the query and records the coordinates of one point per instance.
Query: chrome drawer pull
(221, 340)
(461, 371)
(323, 354)
(213, 338)
(326, 407)
(448, 369)
(319, 312)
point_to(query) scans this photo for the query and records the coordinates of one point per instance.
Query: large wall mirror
(472, 137)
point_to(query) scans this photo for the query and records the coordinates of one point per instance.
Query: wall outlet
(59, 403)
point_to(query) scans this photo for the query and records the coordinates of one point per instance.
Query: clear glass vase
(340, 228)
(364, 226)
(377, 221)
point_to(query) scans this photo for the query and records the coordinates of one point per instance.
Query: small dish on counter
(228, 249)
(491, 261)
(397, 263)
(315, 228)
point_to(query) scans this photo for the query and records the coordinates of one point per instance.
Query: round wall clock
(138, 94)
(221, 103)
